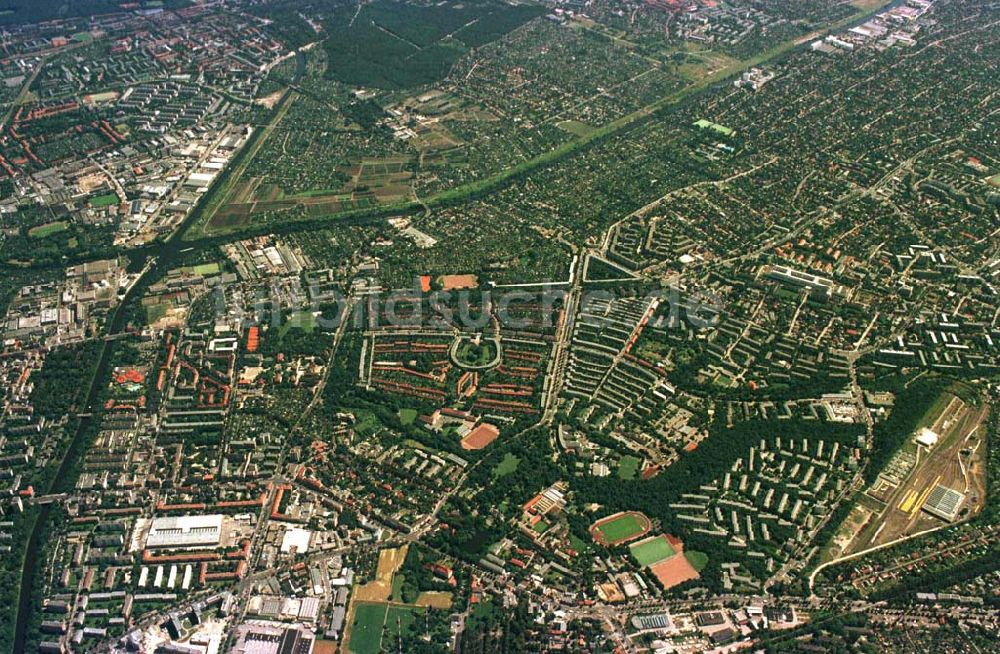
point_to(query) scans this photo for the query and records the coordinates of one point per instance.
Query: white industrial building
(185, 532)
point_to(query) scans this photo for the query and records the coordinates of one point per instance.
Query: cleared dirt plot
(455, 282)
(480, 437)
(434, 599)
(675, 570)
(946, 482)
(389, 561)
(620, 528)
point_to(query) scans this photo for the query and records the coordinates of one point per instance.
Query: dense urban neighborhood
(499, 326)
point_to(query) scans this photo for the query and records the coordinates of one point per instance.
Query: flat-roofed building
(185, 532)
(820, 286)
(944, 503)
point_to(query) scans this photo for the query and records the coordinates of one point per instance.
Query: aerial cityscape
(500, 326)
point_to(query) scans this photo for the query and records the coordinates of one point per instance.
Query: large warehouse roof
(186, 531)
(944, 502)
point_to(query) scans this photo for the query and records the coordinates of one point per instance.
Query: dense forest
(393, 45)
(58, 387)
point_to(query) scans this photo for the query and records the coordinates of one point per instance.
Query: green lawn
(366, 423)
(576, 128)
(155, 312)
(397, 587)
(106, 200)
(698, 560)
(721, 129)
(48, 229)
(206, 269)
(506, 466)
(482, 612)
(303, 320)
(626, 526)
(407, 416)
(628, 467)
(651, 550)
(577, 544)
(366, 632)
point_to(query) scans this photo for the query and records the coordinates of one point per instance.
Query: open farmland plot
(620, 528)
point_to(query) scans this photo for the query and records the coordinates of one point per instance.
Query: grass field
(155, 312)
(48, 229)
(506, 466)
(303, 320)
(651, 550)
(407, 416)
(397, 588)
(995, 180)
(698, 560)
(106, 200)
(576, 128)
(366, 632)
(621, 528)
(476, 355)
(206, 269)
(578, 544)
(721, 129)
(628, 467)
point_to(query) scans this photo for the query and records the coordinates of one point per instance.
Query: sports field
(651, 550)
(620, 528)
(105, 200)
(48, 229)
(675, 570)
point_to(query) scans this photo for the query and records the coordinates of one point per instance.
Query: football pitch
(622, 528)
(651, 550)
